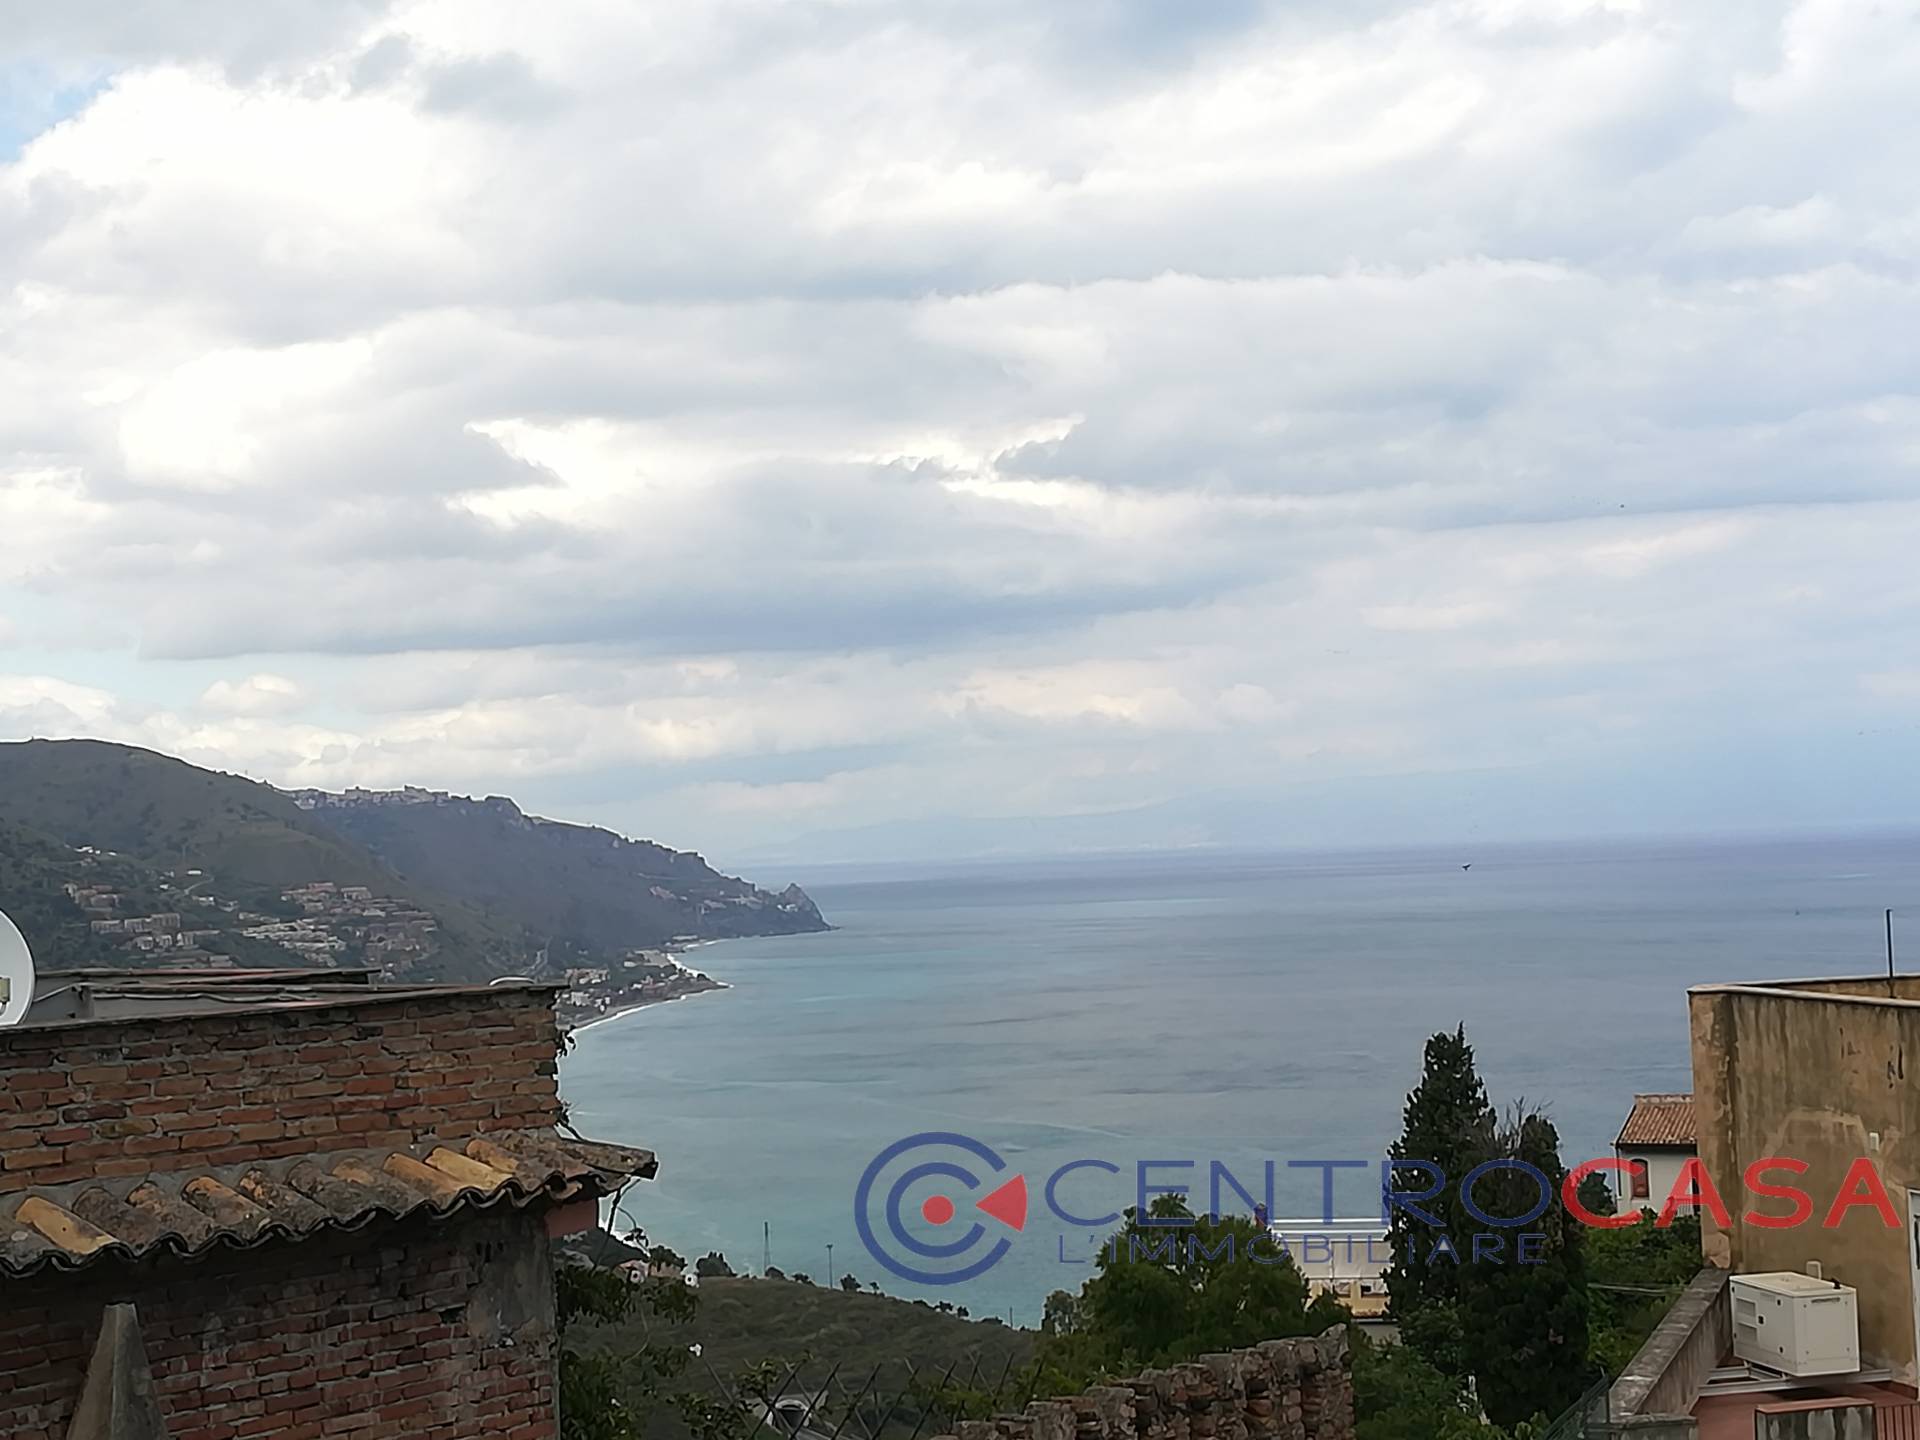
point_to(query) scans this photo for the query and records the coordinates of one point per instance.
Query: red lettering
(1861, 1187)
(1695, 1187)
(1759, 1185)
(1570, 1195)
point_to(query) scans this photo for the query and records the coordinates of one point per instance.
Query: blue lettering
(1539, 1179)
(1218, 1172)
(1162, 1250)
(1392, 1198)
(1326, 1169)
(1145, 1190)
(1053, 1198)
(1197, 1250)
(1279, 1250)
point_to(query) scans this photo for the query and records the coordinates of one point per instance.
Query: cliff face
(579, 884)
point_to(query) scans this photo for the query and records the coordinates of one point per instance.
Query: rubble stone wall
(1280, 1390)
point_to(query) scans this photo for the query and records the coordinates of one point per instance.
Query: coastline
(676, 949)
(637, 1006)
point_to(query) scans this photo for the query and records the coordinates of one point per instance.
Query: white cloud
(885, 413)
(255, 695)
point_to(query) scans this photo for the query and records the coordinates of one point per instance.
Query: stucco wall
(1821, 1078)
(1663, 1171)
(1662, 1381)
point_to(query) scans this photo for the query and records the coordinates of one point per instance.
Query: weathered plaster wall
(1821, 1078)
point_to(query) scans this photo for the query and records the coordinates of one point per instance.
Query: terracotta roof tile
(1659, 1122)
(189, 1213)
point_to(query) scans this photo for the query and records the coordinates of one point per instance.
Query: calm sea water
(1243, 1008)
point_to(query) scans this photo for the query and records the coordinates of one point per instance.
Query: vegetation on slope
(774, 1337)
(252, 841)
(587, 887)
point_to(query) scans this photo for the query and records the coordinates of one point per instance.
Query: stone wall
(1280, 1390)
(89, 1101)
(1666, 1376)
(430, 1331)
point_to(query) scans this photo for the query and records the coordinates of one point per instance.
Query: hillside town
(337, 919)
(646, 977)
(323, 923)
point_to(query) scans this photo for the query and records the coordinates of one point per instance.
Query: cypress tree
(1448, 1123)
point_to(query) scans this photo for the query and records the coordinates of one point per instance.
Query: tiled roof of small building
(188, 1212)
(1659, 1122)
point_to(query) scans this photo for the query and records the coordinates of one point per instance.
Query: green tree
(1596, 1195)
(849, 1282)
(604, 1395)
(1634, 1275)
(1525, 1321)
(1448, 1125)
(1171, 1287)
(1400, 1395)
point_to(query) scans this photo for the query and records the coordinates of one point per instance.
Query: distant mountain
(227, 837)
(584, 886)
(432, 885)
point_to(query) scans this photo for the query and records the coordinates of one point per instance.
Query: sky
(847, 429)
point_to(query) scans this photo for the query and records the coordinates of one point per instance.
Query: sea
(1168, 1017)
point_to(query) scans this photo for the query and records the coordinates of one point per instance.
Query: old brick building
(326, 1204)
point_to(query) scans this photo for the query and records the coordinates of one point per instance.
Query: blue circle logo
(936, 1172)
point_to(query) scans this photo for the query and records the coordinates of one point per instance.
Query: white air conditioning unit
(1795, 1324)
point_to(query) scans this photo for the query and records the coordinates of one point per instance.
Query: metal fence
(877, 1405)
(1589, 1417)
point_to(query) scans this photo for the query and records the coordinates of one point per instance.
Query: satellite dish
(16, 973)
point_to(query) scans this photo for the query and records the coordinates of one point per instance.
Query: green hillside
(166, 812)
(251, 840)
(859, 1350)
(500, 887)
(586, 887)
(34, 872)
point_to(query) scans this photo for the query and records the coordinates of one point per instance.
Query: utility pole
(766, 1246)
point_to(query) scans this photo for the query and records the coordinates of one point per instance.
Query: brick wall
(84, 1101)
(1282, 1390)
(433, 1332)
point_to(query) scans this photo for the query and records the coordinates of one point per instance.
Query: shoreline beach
(637, 1006)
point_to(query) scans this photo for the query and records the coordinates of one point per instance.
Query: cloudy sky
(853, 428)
